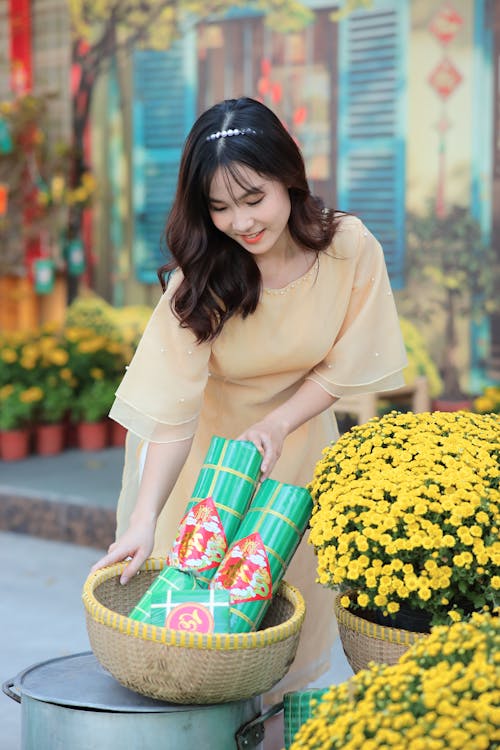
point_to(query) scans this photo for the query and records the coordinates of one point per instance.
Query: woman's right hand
(135, 545)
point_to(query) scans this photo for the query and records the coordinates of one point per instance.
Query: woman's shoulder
(347, 238)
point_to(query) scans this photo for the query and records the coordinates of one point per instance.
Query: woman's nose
(241, 221)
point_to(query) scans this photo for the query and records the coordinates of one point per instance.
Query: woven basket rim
(209, 641)
(371, 629)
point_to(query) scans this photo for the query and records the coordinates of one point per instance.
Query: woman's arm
(269, 434)
(162, 467)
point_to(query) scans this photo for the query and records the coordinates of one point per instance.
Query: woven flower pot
(180, 667)
(364, 641)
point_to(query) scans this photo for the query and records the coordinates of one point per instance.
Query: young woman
(274, 308)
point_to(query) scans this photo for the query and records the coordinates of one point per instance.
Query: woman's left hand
(268, 437)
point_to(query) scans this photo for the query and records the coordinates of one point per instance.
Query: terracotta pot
(49, 439)
(446, 404)
(92, 436)
(14, 444)
(117, 434)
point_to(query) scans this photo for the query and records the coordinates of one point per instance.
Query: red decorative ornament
(263, 86)
(265, 67)
(443, 125)
(4, 198)
(445, 24)
(445, 78)
(300, 116)
(20, 46)
(276, 93)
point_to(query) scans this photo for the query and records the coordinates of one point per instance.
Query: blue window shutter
(163, 113)
(372, 124)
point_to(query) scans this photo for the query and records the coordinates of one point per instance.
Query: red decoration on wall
(446, 24)
(21, 78)
(445, 78)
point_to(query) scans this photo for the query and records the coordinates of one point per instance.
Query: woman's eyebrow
(250, 191)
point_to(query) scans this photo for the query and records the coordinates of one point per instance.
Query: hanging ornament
(75, 257)
(42, 192)
(6, 145)
(4, 198)
(44, 275)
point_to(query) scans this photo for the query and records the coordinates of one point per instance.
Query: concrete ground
(41, 614)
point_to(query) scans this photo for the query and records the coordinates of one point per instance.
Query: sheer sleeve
(368, 353)
(160, 396)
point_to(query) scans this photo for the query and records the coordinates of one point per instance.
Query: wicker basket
(365, 641)
(180, 667)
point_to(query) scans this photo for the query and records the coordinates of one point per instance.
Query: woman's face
(256, 215)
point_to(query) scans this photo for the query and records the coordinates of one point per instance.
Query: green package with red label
(220, 498)
(258, 558)
(200, 611)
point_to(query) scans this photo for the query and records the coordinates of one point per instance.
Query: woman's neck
(284, 266)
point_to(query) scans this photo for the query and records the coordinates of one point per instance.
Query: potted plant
(406, 518)
(89, 411)
(489, 401)
(17, 408)
(420, 362)
(454, 272)
(53, 407)
(440, 695)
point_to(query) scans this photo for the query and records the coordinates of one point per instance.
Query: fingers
(109, 559)
(132, 567)
(265, 445)
(116, 553)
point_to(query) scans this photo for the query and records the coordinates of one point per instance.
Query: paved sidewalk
(80, 477)
(41, 613)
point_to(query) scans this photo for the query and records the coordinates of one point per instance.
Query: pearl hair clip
(229, 133)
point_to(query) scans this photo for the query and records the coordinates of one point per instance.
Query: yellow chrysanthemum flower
(418, 490)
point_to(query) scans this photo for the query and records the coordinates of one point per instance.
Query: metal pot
(72, 702)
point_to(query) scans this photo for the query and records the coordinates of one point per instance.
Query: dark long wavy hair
(221, 278)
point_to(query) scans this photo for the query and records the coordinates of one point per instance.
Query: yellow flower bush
(18, 406)
(407, 513)
(419, 359)
(489, 401)
(94, 356)
(443, 694)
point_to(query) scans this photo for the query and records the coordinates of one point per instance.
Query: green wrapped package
(201, 611)
(221, 495)
(266, 541)
(298, 708)
(220, 498)
(169, 579)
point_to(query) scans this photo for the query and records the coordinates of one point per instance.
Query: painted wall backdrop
(395, 104)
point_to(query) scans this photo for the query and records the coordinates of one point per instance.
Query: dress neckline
(295, 282)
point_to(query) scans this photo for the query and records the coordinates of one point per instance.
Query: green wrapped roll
(201, 611)
(259, 556)
(169, 579)
(298, 708)
(221, 495)
(220, 498)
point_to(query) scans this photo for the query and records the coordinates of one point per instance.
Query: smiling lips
(252, 239)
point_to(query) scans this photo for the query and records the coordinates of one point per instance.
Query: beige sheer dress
(337, 325)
